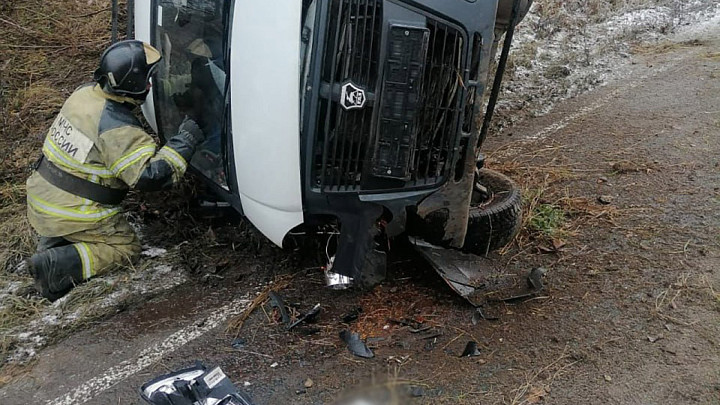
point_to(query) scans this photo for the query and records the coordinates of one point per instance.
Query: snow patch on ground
(13, 287)
(548, 65)
(153, 251)
(159, 271)
(707, 24)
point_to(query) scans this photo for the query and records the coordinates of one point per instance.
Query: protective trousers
(112, 244)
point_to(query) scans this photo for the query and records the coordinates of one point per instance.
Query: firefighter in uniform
(94, 152)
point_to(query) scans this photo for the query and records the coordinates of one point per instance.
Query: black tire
(495, 218)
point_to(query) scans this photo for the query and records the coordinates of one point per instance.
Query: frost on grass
(32, 323)
(151, 252)
(564, 49)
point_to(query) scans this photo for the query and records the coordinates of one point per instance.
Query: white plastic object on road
(334, 280)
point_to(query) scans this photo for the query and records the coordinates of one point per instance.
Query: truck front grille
(441, 92)
(406, 133)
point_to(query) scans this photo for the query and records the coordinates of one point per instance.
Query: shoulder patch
(116, 115)
(70, 140)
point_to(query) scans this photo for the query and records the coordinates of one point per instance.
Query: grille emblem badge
(352, 97)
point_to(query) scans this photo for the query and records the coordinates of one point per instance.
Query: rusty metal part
(455, 197)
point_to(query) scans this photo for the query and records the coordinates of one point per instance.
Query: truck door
(192, 36)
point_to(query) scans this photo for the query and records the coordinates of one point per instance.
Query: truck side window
(191, 79)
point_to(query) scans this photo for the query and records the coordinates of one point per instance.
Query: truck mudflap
(479, 279)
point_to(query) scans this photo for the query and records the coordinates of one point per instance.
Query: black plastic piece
(356, 345)
(357, 240)
(309, 316)
(404, 70)
(277, 302)
(471, 349)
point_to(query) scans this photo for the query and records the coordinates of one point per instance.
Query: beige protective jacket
(96, 137)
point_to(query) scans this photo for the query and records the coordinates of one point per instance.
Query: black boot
(56, 271)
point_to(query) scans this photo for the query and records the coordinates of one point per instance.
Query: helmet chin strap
(140, 98)
(136, 99)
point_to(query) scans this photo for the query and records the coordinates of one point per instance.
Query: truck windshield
(191, 80)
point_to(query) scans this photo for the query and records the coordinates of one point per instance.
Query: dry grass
(19, 239)
(550, 215)
(675, 295)
(48, 48)
(715, 56)
(663, 47)
(554, 15)
(10, 373)
(236, 324)
(16, 310)
(538, 382)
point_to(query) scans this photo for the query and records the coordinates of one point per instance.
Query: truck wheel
(495, 213)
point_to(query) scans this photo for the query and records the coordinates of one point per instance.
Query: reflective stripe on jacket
(96, 137)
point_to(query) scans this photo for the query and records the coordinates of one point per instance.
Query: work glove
(190, 127)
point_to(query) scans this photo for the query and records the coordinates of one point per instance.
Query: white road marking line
(601, 102)
(95, 386)
(579, 114)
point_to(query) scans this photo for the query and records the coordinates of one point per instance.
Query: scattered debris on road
(309, 316)
(471, 349)
(606, 199)
(239, 343)
(279, 304)
(480, 314)
(356, 345)
(352, 316)
(235, 325)
(535, 279)
(653, 339)
(195, 385)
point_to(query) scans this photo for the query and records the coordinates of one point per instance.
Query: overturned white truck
(364, 117)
